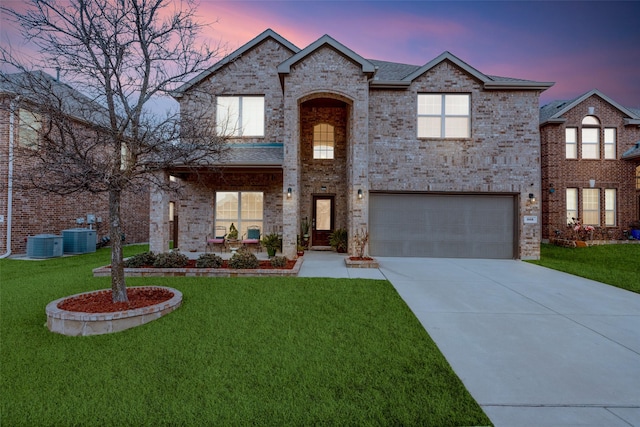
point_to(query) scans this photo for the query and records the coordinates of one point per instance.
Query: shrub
(140, 260)
(209, 261)
(171, 260)
(244, 259)
(279, 261)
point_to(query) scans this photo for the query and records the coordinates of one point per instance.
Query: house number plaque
(530, 219)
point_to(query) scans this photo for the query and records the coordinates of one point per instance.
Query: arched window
(590, 137)
(323, 141)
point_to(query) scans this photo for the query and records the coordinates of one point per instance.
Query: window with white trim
(572, 204)
(590, 137)
(610, 207)
(571, 143)
(29, 127)
(323, 141)
(240, 116)
(444, 115)
(242, 208)
(609, 143)
(591, 206)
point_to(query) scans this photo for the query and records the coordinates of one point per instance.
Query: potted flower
(271, 242)
(304, 228)
(233, 233)
(339, 240)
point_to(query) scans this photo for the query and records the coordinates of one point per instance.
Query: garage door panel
(458, 226)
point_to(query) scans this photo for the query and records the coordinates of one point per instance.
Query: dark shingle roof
(392, 71)
(268, 154)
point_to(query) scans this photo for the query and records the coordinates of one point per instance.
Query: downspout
(12, 113)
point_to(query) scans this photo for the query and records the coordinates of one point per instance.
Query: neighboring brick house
(33, 212)
(436, 160)
(590, 165)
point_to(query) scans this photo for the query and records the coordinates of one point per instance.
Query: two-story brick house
(25, 213)
(434, 160)
(590, 165)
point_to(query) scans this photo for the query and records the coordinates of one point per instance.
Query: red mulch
(100, 302)
(265, 265)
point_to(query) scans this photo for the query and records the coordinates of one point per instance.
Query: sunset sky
(578, 45)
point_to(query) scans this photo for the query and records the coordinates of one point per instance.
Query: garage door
(442, 225)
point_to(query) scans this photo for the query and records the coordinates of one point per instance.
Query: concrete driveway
(535, 347)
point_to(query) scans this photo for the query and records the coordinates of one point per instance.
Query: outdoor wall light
(592, 183)
(551, 189)
(532, 198)
(289, 193)
(360, 194)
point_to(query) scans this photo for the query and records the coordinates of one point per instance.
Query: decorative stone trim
(203, 272)
(361, 263)
(73, 323)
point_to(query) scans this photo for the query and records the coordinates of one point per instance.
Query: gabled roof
(268, 33)
(366, 65)
(39, 88)
(388, 79)
(553, 112)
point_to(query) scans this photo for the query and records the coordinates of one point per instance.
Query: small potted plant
(271, 242)
(233, 233)
(304, 228)
(339, 240)
(635, 229)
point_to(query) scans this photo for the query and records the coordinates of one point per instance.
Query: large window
(323, 141)
(243, 209)
(444, 116)
(590, 138)
(571, 143)
(609, 143)
(572, 204)
(591, 206)
(240, 116)
(610, 207)
(29, 126)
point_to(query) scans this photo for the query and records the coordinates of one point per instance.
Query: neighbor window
(610, 207)
(637, 177)
(29, 126)
(609, 143)
(242, 208)
(240, 116)
(571, 143)
(323, 141)
(591, 206)
(590, 138)
(572, 204)
(444, 116)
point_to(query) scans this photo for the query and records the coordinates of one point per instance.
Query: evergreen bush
(244, 259)
(140, 260)
(171, 260)
(209, 261)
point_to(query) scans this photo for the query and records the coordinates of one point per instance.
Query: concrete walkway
(535, 347)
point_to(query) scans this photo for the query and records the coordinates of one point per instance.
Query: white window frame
(571, 203)
(236, 216)
(29, 128)
(590, 124)
(436, 116)
(591, 206)
(235, 119)
(610, 211)
(610, 143)
(571, 143)
(324, 141)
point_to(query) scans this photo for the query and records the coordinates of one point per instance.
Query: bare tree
(105, 137)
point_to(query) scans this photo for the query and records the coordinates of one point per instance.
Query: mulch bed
(265, 265)
(100, 302)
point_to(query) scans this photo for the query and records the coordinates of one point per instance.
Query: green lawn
(617, 265)
(240, 351)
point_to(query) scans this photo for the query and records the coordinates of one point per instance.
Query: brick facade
(377, 148)
(560, 173)
(35, 213)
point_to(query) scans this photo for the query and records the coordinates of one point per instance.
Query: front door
(322, 221)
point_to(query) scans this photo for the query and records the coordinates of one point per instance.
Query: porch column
(159, 218)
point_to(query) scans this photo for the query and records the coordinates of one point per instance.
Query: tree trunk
(118, 285)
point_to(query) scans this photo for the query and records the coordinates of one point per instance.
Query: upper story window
(609, 143)
(590, 138)
(240, 116)
(323, 141)
(571, 143)
(29, 126)
(444, 115)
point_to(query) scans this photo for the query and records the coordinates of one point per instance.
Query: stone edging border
(73, 323)
(202, 272)
(361, 263)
